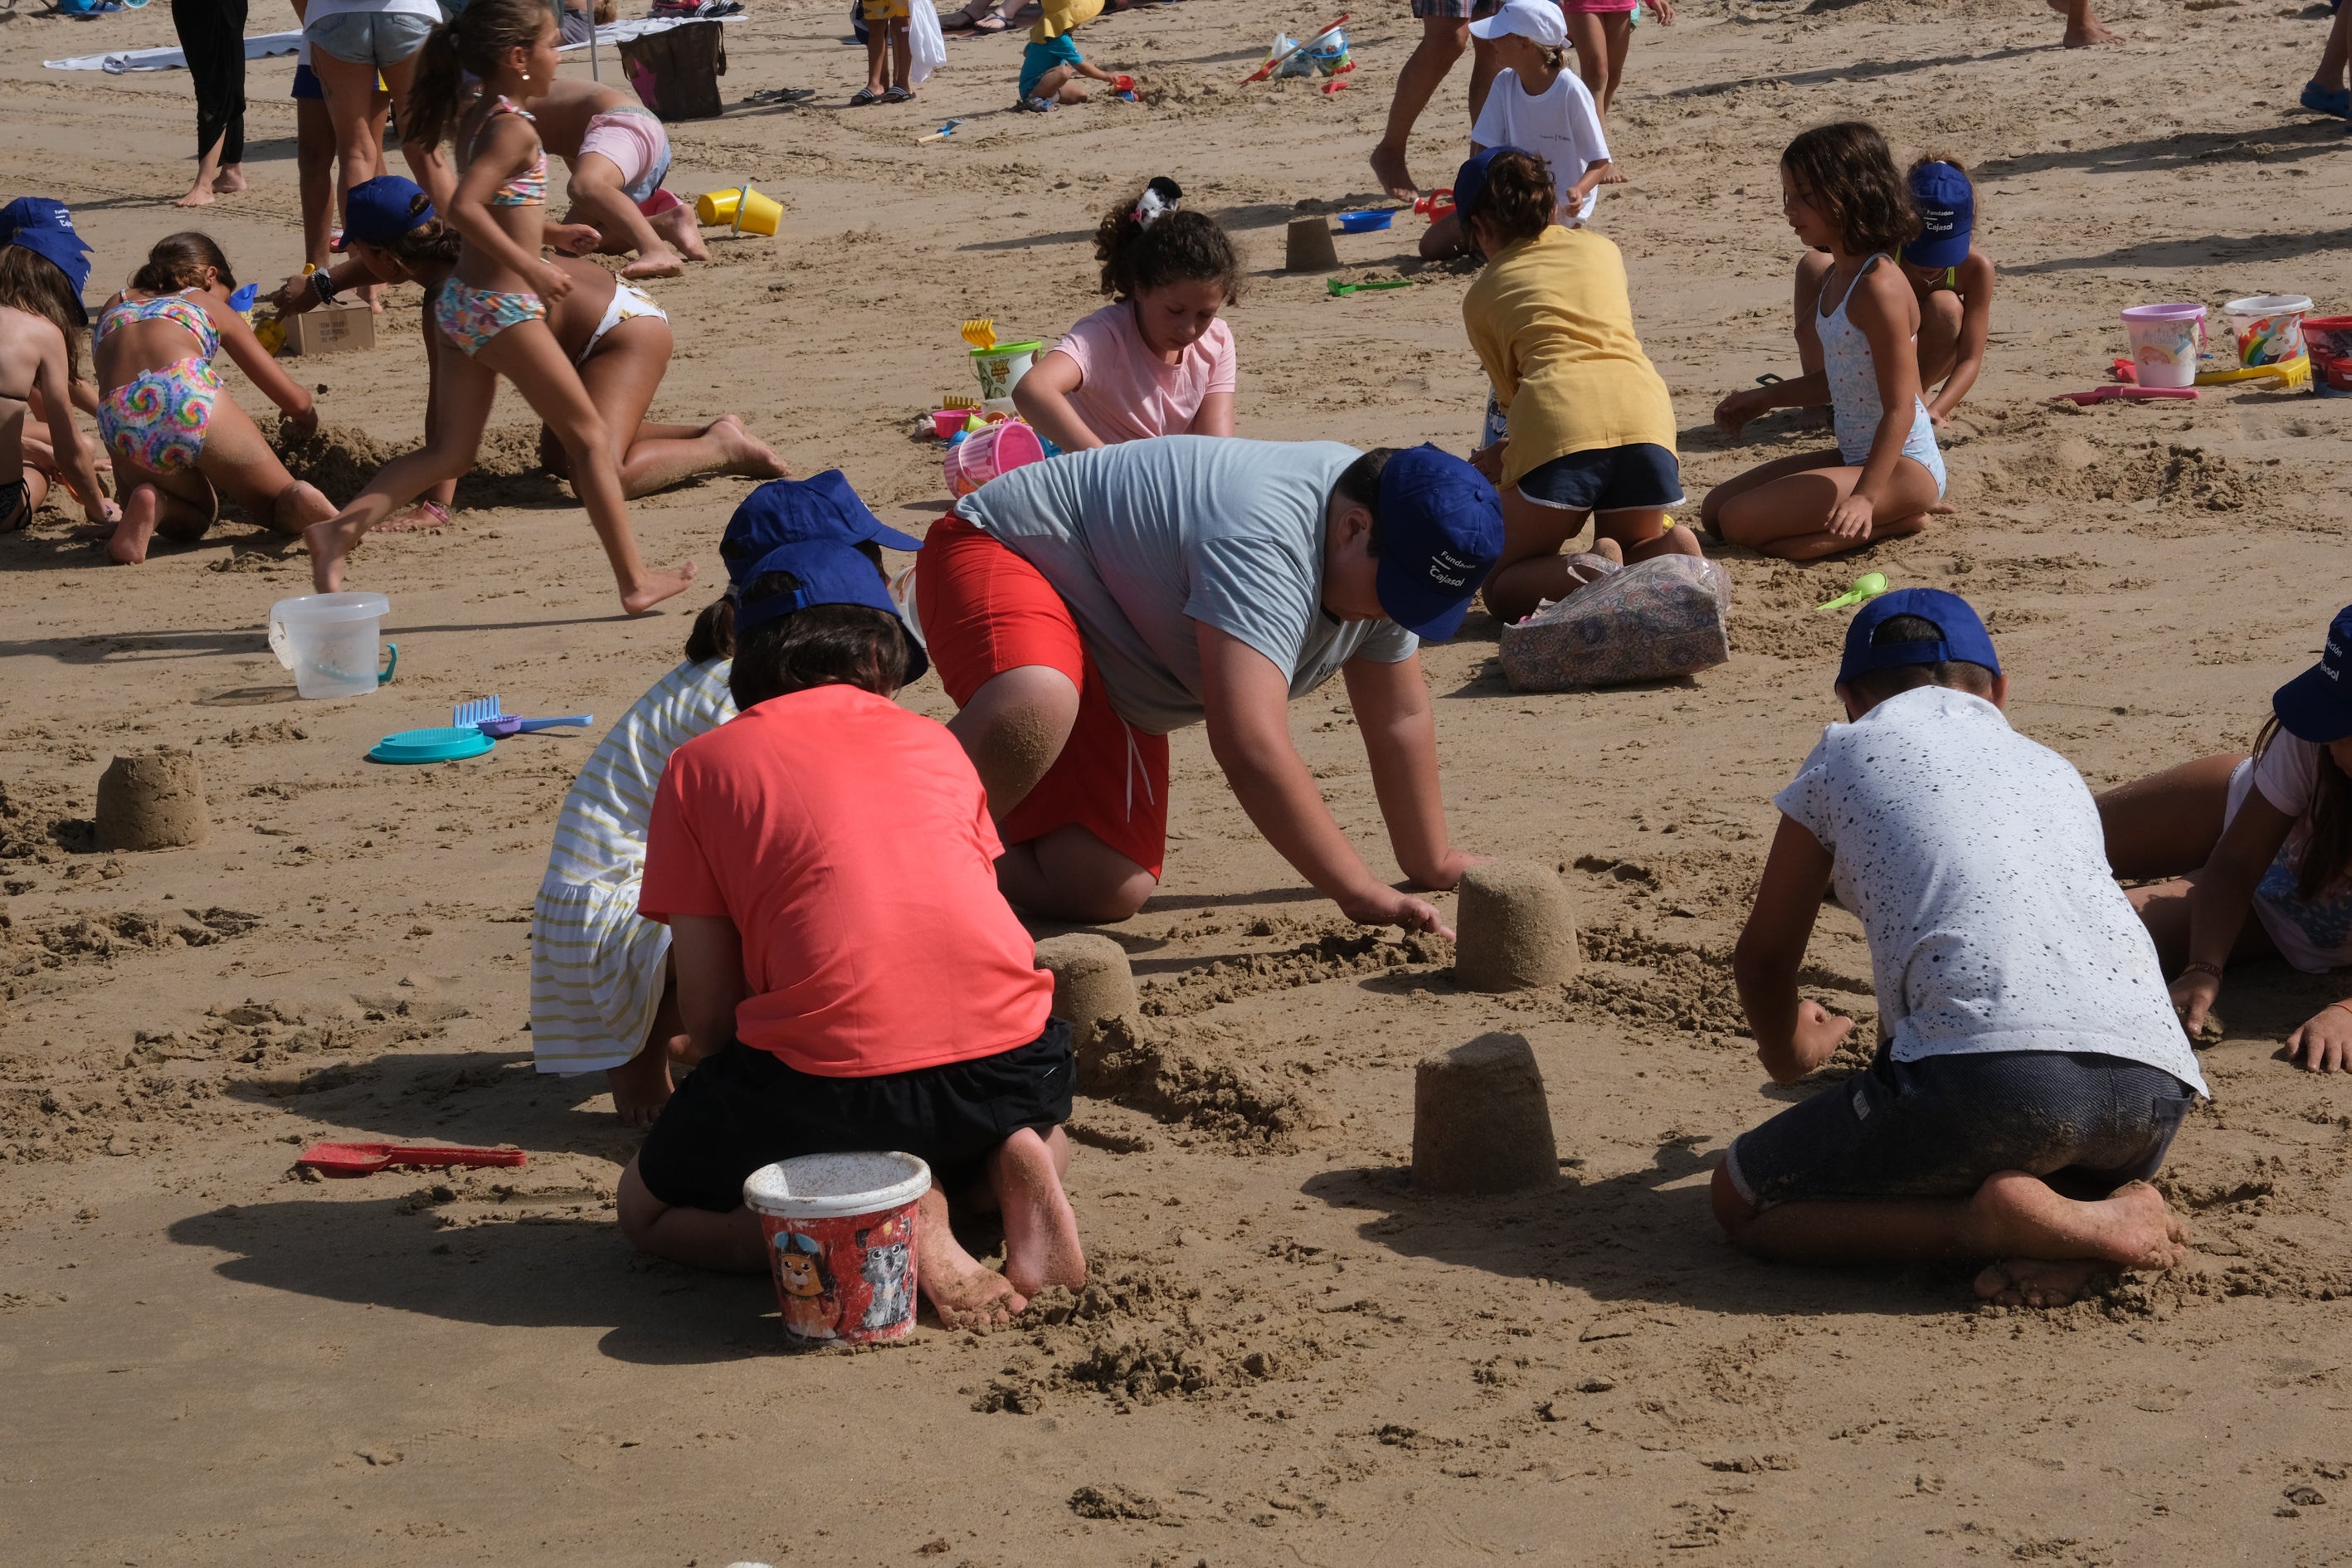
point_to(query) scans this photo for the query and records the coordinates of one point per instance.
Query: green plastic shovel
(1869, 585)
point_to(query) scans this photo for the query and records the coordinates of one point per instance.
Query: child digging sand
(1159, 362)
(2030, 1074)
(1051, 62)
(848, 976)
(1841, 194)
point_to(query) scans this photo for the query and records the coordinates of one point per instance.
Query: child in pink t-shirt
(1157, 362)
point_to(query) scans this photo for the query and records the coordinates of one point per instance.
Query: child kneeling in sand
(848, 976)
(2031, 1074)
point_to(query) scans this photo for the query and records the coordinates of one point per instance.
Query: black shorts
(741, 1108)
(1642, 477)
(1938, 1127)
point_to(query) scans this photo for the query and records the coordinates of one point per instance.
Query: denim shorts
(1642, 477)
(1935, 1128)
(375, 39)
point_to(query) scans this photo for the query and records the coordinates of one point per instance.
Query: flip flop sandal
(898, 95)
(864, 96)
(981, 26)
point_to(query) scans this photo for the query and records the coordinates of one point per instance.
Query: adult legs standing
(212, 35)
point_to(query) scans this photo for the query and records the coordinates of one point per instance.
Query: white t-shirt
(1975, 861)
(1562, 126)
(2314, 936)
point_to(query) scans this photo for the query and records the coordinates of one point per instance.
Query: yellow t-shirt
(1553, 324)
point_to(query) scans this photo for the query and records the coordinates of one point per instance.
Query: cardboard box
(330, 330)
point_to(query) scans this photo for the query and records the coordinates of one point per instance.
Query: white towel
(259, 45)
(927, 44)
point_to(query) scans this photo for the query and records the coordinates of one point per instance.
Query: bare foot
(661, 262)
(331, 544)
(1616, 175)
(140, 513)
(1041, 1231)
(651, 589)
(2031, 1282)
(1388, 169)
(229, 181)
(199, 196)
(641, 1086)
(964, 1294)
(2087, 33)
(1677, 540)
(412, 519)
(299, 506)
(2017, 1217)
(679, 227)
(1943, 509)
(747, 454)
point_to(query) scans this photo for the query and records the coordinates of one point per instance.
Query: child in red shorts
(848, 973)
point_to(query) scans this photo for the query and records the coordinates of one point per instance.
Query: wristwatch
(323, 284)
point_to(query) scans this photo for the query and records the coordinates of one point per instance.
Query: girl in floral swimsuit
(179, 440)
(493, 308)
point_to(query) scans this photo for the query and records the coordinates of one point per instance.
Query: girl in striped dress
(602, 993)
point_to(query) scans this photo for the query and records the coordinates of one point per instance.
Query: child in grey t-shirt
(2032, 1072)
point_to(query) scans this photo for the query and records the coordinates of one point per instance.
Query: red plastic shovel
(366, 1159)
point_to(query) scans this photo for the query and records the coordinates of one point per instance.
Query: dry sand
(1290, 1357)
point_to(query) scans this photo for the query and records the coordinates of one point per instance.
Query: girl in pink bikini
(493, 308)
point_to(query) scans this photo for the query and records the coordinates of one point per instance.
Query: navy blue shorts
(1640, 477)
(306, 83)
(1938, 1127)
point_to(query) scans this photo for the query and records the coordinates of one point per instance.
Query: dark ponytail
(1518, 197)
(177, 261)
(713, 637)
(471, 41)
(1151, 241)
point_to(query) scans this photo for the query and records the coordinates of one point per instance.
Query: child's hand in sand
(300, 425)
(1488, 461)
(102, 512)
(1732, 415)
(296, 295)
(553, 282)
(2192, 998)
(1387, 907)
(1851, 518)
(1818, 1034)
(2323, 1043)
(573, 238)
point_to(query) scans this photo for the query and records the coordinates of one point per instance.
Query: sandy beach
(1286, 1354)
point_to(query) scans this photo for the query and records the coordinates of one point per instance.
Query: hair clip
(1160, 198)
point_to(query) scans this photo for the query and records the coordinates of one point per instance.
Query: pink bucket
(999, 448)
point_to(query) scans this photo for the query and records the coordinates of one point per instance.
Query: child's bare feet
(1388, 169)
(747, 454)
(415, 517)
(229, 181)
(660, 261)
(679, 227)
(1616, 175)
(2031, 1282)
(2053, 1245)
(331, 544)
(200, 194)
(2083, 29)
(651, 588)
(142, 510)
(1041, 1230)
(964, 1294)
(641, 1086)
(299, 506)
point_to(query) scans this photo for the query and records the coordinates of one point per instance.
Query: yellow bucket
(742, 209)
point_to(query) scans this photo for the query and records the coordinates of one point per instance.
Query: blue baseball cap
(1947, 215)
(1964, 638)
(831, 572)
(2317, 706)
(1470, 180)
(46, 229)
(379, 211)
(785, 511)
(1441, 533)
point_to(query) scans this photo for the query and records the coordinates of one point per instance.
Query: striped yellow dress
(596, 964)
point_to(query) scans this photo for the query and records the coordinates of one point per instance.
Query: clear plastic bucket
(331, 642)
(2164, 342)
(2269, 327)
(840, 1230)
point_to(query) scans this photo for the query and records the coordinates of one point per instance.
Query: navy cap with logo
(1964, 638)
(784, 512)
(1947, 215)
(1470, 180)
(379, 211)
(830, 571)
(2317, 706)
(46, 229)
(1441, 533)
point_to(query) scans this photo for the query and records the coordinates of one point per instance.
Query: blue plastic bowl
(1365, 222)
(446, 745)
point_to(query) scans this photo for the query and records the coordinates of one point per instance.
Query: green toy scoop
(1869, 585)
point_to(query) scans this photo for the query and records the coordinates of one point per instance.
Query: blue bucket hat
(46, 229)
(1947, 215)
(1441, 533)
(2317, 706)
(784, 511)
(829, 573)
(1964, 638)
(381, 210)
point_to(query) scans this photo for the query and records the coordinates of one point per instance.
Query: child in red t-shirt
(848, 973)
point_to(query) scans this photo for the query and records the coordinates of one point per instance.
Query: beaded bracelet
(2200, 967)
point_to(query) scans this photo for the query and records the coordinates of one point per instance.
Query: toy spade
(1869, 585)
(1340, 290)
(366, 1159)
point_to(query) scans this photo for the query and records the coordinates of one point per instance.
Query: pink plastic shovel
(366, 1159)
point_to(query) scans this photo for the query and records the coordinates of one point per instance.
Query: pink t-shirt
(1130, 394)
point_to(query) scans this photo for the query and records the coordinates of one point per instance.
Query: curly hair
(33, 284)
(1518, 197)
(1846, 173)
(472, 41)
(432, 241)
(177, 261)
(1149, 242)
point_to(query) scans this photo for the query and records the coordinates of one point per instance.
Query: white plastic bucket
(329, 642)
(2164, 342)
(2268, 327)
(997, 448)
(1000, 369)
(841, 1233)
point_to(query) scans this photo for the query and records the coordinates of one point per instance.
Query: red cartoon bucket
(840, 1230)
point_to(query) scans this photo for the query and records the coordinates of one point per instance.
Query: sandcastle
(1092, 981)
(1517, 930)
(1308, 246)
(1480, 1122)
(151, 800)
